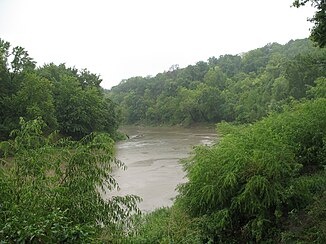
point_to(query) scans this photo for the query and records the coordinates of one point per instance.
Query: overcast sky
(124, 38)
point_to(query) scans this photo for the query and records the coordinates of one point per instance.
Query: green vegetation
(242, 88)
(50, 188)
(263, 182)
(318, 32)
(66, 99)
(248, 184)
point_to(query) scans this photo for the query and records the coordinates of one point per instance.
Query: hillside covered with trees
(242, 88)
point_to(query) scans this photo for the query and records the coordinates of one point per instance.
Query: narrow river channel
(152, 156)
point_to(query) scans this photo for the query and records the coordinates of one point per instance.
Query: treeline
(67, 99)
(243, 88)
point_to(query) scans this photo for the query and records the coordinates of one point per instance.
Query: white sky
(119, 39)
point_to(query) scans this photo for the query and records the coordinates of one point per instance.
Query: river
(152, 156)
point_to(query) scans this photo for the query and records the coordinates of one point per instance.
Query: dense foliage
(262, 183)
(50, 188)
(67, 99)
(256, 177)
(241, 88)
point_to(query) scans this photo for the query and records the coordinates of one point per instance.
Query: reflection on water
(152, 157)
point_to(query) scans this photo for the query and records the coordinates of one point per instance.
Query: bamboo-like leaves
(58, 182)
(258, 173)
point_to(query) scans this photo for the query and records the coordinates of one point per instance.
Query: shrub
(244, 187)
(51, 189)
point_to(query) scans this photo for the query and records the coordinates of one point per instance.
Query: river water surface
(152, 156)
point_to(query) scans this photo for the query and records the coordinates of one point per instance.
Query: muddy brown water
(152, 156)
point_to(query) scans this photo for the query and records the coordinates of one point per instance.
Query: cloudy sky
(119, 39)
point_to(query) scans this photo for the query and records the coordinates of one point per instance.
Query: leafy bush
(244, 188)
(51, 189)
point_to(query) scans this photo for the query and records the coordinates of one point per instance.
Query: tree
(318, 91)
(5, 85)
(280, 89)
(133, 108)
(81, 106)
(256, 60)
(303, 70)
(189, 105)
(79, 111)
(88, 79)
(35, 100)
(318, 32)
(209, 103)
(230, 64)
(14, 64)
(215, 77)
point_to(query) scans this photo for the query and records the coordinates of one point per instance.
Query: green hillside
(242, 88)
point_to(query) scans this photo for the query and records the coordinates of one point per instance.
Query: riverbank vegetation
(261, 183)
(264, 181)
(51, 188)
(56, 154)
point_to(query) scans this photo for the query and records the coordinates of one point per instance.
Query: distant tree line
(241, 88)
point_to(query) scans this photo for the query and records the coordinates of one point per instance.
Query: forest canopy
(69, 100)
(242, 88)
